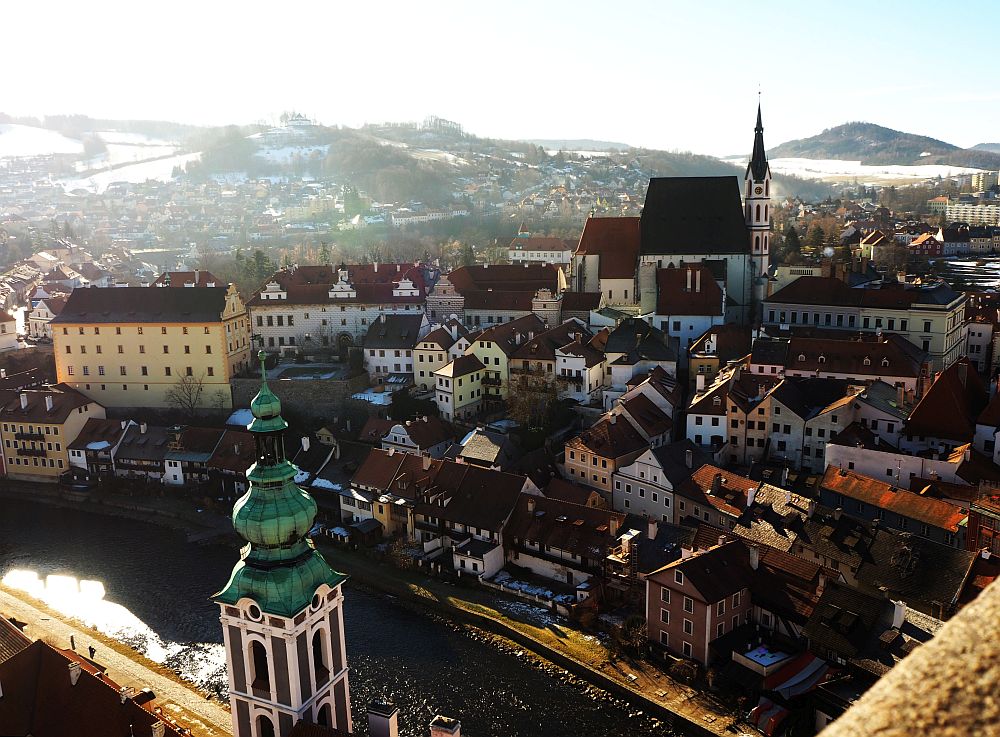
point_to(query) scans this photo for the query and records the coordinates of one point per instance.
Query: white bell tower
(757, 202)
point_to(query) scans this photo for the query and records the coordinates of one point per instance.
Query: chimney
(788, 497)
(751, 495)
(900, 394)
(383, 720)
(810, 509)
(699, 382)
(426, 463)
(722, 540)
(48, 405)
(898, 614)
(612, 419)
(716, 484)
(24, 401)
(158, 729)
(821, 585)
(142, 428)
(754, 557)
(531, 504)
(653, 528)
(837, 512)
(689, 458)
(445, 727)
(392, 452)
(376, 267)
(3, 373)
(236, 449)
(613, 526)
(305, 443)
(697, 280)
(784, 480)
(124, 424)
(686, 551)
(688, 287)
(74, 672)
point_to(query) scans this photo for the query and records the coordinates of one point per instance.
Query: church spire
(758, 166)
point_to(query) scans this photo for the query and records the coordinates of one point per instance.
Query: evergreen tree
(792, 242)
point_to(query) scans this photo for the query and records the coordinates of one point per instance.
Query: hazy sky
(672, 75)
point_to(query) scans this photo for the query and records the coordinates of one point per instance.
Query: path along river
(145, 585)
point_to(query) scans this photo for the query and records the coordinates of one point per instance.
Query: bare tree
(186, 394)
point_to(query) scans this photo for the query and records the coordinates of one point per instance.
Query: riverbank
(509, 624)
(521, 625)
(177, 698)
(174, 512)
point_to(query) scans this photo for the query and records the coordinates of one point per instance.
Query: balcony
(37, 436)
(32, 452)
(491, 381)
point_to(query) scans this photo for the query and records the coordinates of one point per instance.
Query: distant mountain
(875, 144)
(993, 147)
(577, 144)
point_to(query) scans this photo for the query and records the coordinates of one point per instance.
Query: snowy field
(837, 170)
(160, 170)
(26, 140)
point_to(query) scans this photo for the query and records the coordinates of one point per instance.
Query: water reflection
(200, 663)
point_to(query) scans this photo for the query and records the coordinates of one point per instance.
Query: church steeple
(758, 166)
(757, 201)
(281, 609)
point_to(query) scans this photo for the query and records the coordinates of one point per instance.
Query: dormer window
(716, 401)
(868, 361)
(885, 362)
(802, 356)
(822, 359)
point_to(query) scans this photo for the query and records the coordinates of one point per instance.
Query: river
(145, 585)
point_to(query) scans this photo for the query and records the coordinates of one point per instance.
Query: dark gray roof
(673, 460)
(638, 339)
(394, 331)
(807, 396)
(843, 619)
(148, 446)
(143, 304)
(769, 351)
(693, 215)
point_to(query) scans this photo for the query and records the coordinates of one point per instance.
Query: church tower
(757, 199)
(282, 609)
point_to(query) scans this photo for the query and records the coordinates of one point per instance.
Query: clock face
(759, 190)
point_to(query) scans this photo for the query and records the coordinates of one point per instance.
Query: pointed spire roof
(758, 167)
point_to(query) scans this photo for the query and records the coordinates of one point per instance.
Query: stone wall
(320, 398)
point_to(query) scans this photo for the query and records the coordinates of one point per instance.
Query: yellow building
(153, 346)
(36, 428)
(494, 347)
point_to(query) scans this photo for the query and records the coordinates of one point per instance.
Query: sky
(662, 74)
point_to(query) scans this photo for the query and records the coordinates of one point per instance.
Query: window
(665, 616)
(688, 604)
(720, 629)
(686, 649)
(187, 349)
(259, 670)
(665, 595)
(122, 370)
(720, 608)
(679, 579)
(736, 599)
(688, 627)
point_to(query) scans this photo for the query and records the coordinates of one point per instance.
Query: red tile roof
(616, 241)
(673, 297)
(728, 496)
(950, 407)
(893, 498)
(610, 437)
(40, 699)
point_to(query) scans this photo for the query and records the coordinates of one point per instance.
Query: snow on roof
(98, 445)
(324, 484)
(241, 417)
(380, 398)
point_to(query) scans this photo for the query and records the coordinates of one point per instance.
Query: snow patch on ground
(373, 397)
(285, 154)
(503, 578)
(530, 612)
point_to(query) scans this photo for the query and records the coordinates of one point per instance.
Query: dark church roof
(693, 215)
